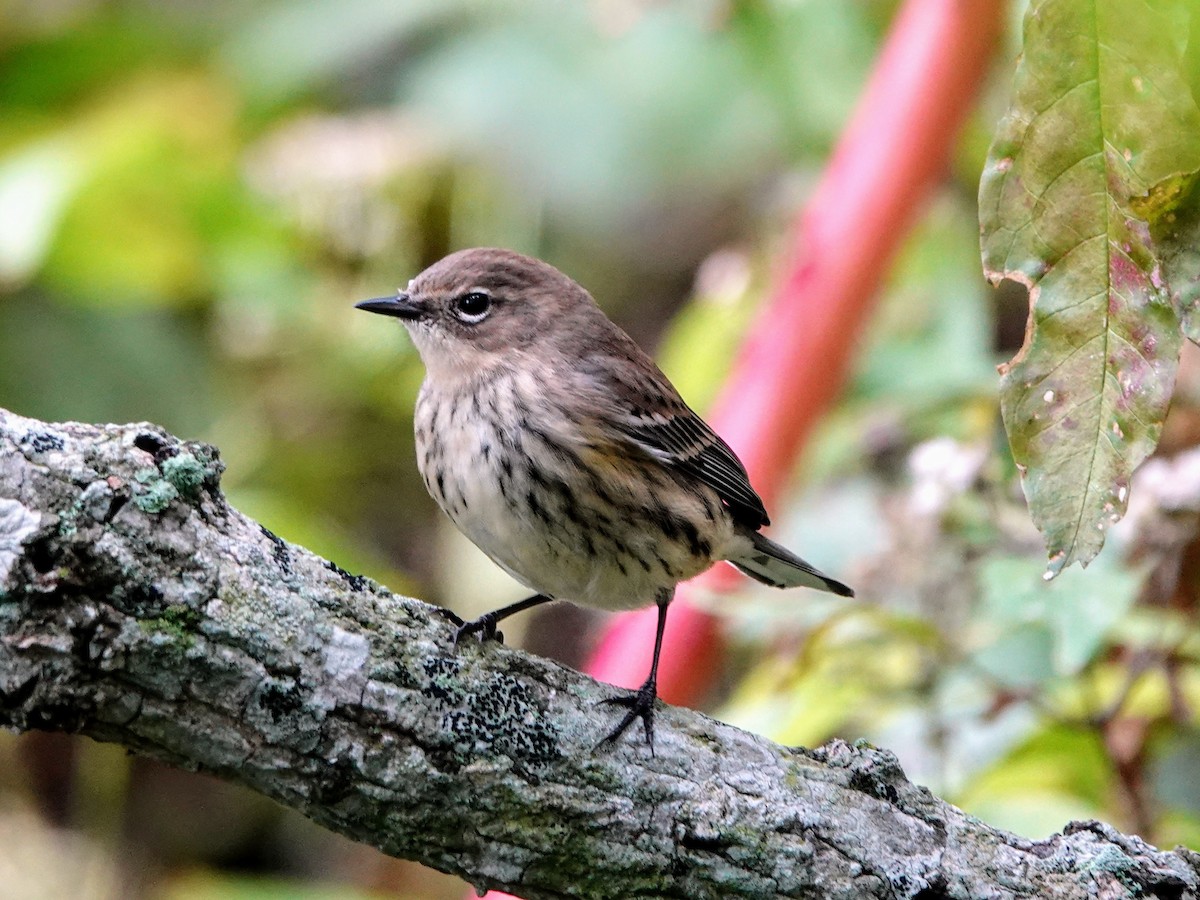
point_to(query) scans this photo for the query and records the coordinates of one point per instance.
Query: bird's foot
(484, 626)
(640, 706)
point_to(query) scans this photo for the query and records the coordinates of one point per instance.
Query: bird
(562, 451)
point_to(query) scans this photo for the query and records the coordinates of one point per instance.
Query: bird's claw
(484, 626)
(640, 706)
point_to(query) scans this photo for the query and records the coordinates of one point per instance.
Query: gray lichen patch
(185, 473)
(344, 655)
(99, 501)
(155, 493)
(41, 440)
(17, 524)
(178, 620)
(281, 709)
(1111, 861)
(501, 714)
(176, 473)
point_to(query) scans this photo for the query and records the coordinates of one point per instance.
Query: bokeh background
(194, 194)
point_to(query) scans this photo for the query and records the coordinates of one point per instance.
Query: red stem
(798, 354)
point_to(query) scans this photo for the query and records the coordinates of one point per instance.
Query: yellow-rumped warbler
(562, 451)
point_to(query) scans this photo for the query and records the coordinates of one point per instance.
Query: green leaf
(1071, 617)
(1020, 659)
(1102, 131)
(1179, 236)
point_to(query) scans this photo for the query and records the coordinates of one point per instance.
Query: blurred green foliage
(193, 195)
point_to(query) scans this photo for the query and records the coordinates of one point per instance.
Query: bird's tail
(779, 567)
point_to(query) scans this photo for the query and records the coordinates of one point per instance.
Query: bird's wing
(681, 439)
(642, 410)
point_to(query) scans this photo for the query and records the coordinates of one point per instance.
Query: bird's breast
(526, 483)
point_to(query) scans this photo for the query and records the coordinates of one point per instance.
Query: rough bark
(137, 606)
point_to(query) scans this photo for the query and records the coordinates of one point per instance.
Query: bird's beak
(402, 306)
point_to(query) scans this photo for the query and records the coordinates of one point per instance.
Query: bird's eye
(472, 307)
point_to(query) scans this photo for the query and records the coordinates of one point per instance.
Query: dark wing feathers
(684, 440)
(649, 413)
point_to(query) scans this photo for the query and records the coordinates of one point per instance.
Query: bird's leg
(641, 703)
(485, 625)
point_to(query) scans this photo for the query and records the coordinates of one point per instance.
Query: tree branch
(137, 606)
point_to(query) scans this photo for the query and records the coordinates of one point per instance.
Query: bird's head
(474, 307)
